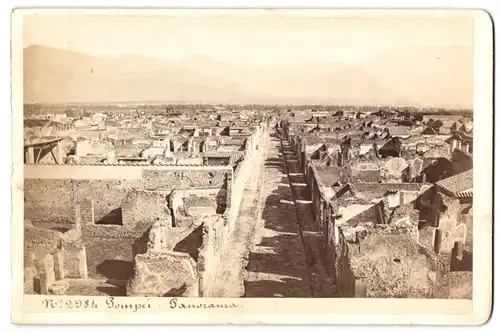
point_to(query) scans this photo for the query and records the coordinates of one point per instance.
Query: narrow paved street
(278, 266)
(275, 237)
(312, 237)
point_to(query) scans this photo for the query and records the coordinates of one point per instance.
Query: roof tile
(459, 185)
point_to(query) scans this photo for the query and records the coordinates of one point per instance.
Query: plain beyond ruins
(247, 201)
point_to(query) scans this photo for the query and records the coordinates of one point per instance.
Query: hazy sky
(245, 39)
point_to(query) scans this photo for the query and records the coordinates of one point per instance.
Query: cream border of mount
(29, 309)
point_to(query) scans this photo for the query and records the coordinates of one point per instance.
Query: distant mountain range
(432, 76)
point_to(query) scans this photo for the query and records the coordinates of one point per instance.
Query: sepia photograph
(246, 154)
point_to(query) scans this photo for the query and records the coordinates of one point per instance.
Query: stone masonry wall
(372, 191)
(389, 262)
(344, 275)
(52, 200)
(51, 255)
(215, 235)
(242, 172)
(165, 273)
(40, 242)
(145, 207)
(111, 249)
(48, 201)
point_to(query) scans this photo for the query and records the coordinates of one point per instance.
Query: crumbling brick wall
(388, 261)
(106, 194)
(184, 178)
(188, 205)
(38, 243)
(51, 255)
(111, 249)
(241, 175)
(163, 274)
(186, 266)
(215, 235)
(48, 200)
(144, 207)
(372, 191)
(452, 283)
(344, 275)
(52, 200)
(74, 254)
(449, 218)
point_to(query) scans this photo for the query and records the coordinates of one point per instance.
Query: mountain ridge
(54, 75)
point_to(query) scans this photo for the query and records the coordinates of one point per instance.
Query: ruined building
(138, 230)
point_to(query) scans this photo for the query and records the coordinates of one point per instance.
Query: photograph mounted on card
(252, 166)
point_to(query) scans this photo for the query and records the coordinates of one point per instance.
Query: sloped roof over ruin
(458, 186)
(223, 154)
(39, 142)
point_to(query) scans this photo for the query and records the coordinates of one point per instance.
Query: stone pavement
(277, 263)
(275, 236)
(312, 238)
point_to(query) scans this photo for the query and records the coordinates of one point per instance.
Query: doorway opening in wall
(221, 208)
(114, 217)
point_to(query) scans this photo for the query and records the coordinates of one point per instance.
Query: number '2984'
(69, 304)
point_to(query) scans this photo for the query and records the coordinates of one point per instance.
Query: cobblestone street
(321, 283)
(277, 263)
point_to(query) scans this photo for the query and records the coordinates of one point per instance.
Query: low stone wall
(215, 238)
(386, 261)
(52, 256)
(164, 274)
(51, 192)
(142, 207)
(40, 241)
(114, 231)
(253, 149)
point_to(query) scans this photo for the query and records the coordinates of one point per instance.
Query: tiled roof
(458, 185)
(218, 154)
(465, 194)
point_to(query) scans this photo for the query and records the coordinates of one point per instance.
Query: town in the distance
(248, 200)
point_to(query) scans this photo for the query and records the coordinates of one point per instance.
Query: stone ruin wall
(50, 257)
(337, 255)
(216, 232)
(121, 253)
(51, 193)
(372, 191)
(48, 200)
(454, 224)
(164, 274)
(164, 271)
(242, 172)
(404, 239)
(111, 248)
(385, 261)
